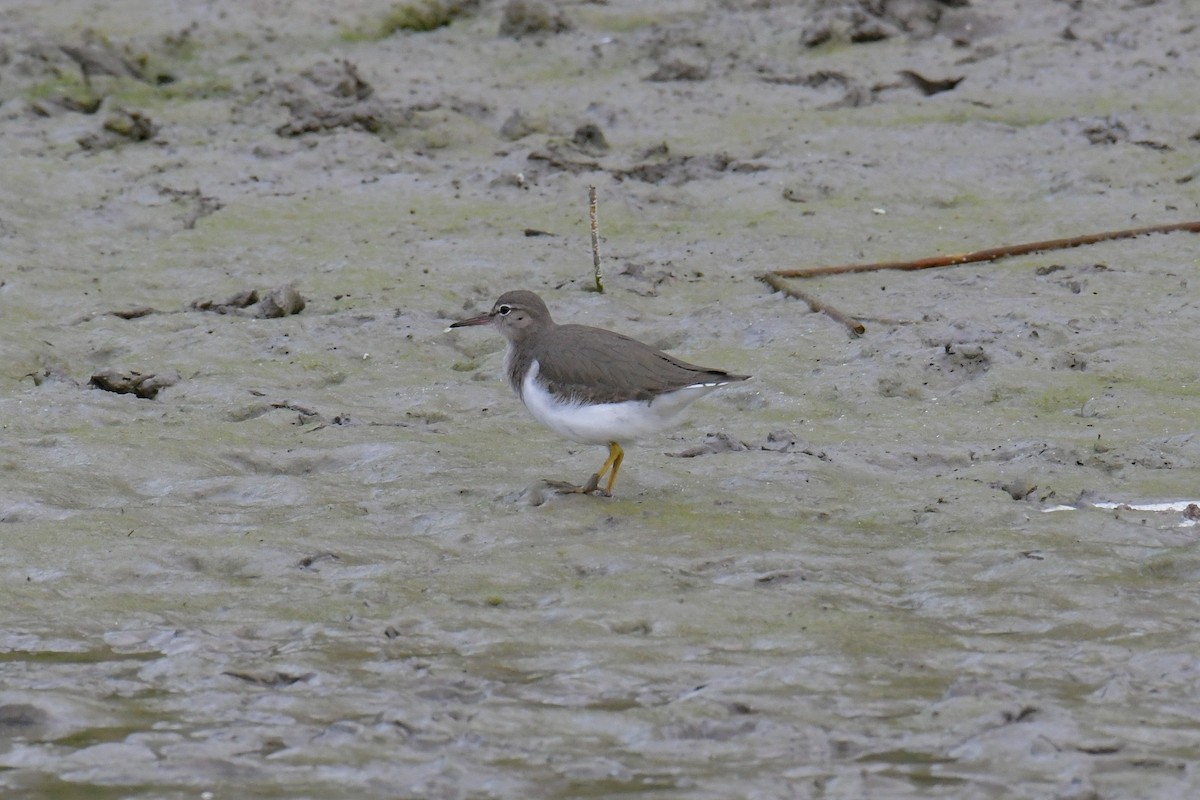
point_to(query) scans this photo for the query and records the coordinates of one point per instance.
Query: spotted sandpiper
(591, 385)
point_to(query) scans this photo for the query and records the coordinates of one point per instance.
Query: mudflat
(266, 528)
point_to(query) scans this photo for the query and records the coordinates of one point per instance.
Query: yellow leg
(615, 456)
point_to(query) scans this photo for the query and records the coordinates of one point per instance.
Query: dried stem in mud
(775, 278)
(592, 203)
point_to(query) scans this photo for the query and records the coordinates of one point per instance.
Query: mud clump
(144, 385)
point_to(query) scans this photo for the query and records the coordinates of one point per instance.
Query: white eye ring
(503, 310)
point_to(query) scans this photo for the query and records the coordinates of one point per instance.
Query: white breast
(608, 422)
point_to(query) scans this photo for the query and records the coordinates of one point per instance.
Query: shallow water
(318, 565)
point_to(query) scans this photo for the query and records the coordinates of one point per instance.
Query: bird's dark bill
(482, 319)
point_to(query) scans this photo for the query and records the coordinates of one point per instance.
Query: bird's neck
(516, 364)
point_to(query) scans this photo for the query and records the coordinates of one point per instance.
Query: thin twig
(780, 285)
(775, 278)
(592, 203)
(991, 254)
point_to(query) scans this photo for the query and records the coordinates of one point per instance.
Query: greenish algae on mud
(872, 618)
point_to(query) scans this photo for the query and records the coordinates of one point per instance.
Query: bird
(592, 385)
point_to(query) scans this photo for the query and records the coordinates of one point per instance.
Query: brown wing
(598, 366)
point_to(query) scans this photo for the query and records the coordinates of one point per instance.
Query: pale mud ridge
(265, 527)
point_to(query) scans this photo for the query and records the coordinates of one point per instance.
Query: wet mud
(267, 528)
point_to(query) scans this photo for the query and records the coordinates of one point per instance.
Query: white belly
(608, 422)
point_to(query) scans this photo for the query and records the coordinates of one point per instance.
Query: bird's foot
(566, 487)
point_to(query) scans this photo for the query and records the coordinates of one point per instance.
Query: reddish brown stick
(780, 285)
(991, 254)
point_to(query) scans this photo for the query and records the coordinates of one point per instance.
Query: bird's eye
(503, 310)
